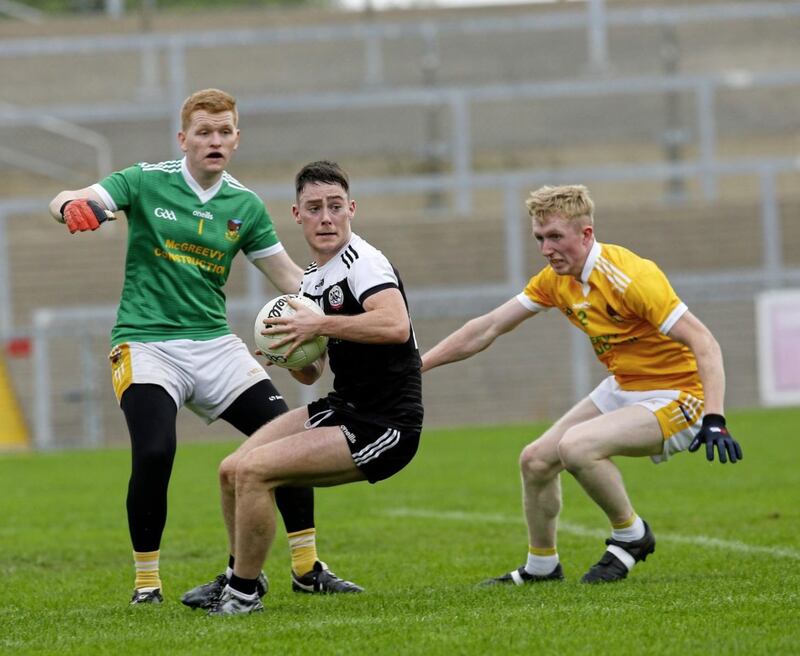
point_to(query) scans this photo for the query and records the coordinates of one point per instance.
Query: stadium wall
(529, 374)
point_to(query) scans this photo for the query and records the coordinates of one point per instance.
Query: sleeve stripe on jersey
(265, 252)
(672, 319)
(105, 197)
(172, 166)
(530, 305)
(618, 279)
(349, 256)
(374, 290)
(233, 182)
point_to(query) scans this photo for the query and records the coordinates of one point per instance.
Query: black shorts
(378, 451)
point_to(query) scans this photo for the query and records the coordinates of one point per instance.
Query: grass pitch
(723, 580)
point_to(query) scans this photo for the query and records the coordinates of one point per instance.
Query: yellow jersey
(626, 306)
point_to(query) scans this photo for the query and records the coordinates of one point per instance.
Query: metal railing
(592, 16)
(431, 302)
(460, 100)
(158, 100)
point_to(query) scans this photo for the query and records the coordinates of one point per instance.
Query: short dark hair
(324, 172)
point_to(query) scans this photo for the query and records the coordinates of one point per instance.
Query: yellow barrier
(13, 431)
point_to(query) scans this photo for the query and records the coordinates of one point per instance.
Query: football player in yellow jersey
(664, 395)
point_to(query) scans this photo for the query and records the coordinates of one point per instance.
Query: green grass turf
(724, 578)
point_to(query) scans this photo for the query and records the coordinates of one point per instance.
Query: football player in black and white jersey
(368, 427)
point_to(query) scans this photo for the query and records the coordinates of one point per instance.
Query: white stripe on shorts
(386, 441)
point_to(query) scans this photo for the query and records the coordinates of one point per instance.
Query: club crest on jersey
(116, 355)
(335, 297)
(234, 225)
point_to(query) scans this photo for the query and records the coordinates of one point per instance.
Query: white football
(304, 354)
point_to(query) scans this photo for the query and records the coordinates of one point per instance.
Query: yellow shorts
(679, 414)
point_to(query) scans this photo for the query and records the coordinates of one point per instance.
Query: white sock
(633, 532)
(541, 565)
(229, 572)
(242, 595)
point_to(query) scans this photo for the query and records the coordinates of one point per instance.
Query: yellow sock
(542, 551)
(629, 530)
(541, 560)
(627, 523)
(146, 563)
(303, 545)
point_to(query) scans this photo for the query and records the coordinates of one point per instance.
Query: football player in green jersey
(171, 344)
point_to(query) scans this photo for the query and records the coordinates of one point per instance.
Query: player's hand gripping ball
(304, 354)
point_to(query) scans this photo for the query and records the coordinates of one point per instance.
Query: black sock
(245, 586)
(230, 561)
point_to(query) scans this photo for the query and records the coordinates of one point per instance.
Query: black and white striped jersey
(376, 382)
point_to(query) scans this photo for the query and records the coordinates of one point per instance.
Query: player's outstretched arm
(282, 272)
(689, 330)
(80, 209)
(477, 334)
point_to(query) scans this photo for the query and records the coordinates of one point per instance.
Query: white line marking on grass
(576, 529)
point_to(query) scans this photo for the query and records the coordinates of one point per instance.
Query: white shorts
(205, 376)
(679, 414)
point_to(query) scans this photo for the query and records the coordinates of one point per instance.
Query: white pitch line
(576, 529)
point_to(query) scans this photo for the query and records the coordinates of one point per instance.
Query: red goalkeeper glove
(81, 214)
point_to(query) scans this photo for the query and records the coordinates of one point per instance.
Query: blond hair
(570, 201)
(214, 101)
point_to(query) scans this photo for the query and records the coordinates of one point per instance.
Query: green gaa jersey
(181, 242)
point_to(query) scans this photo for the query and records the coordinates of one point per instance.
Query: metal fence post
(6, 307)
(597, 33)
(92, 417)
(462, 145)
(373, 54)
(515, 243)
(579, 360)
(706, 127)
(42, 391)
(177, 86)
(771, 229)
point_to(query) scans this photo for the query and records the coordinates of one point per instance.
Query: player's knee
(153, 456)
(250, 473)
(227, 471)
(573, 450)
(534, 465)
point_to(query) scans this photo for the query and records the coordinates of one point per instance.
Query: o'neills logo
(277, 310)
(348, 434)
(203, 215)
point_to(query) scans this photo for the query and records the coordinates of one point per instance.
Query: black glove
(713, 432)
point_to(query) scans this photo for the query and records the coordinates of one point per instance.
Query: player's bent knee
(249, 473)
(534, 466)
(227, 471)
(573, 450)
